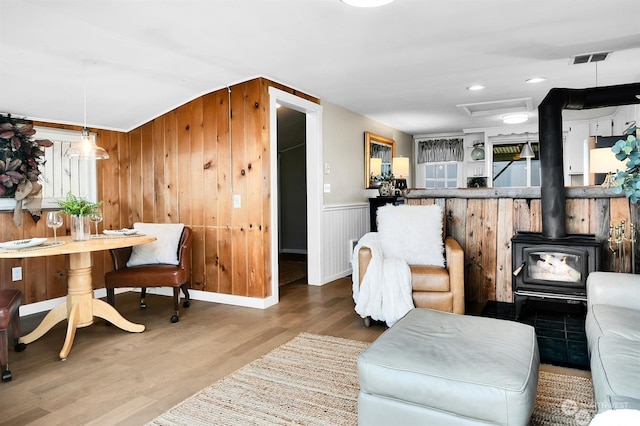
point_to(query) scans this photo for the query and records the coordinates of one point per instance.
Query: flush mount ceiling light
(535, 80)
(367, 3)
(515, 118)
(475, 87)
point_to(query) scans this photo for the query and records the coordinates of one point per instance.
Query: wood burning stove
(553, 264)
(553, 269)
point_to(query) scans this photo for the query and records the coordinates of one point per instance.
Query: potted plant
(79, 210)
(628, 181)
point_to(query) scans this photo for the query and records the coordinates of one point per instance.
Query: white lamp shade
(603, 160)
(527, 152)
(375, 166)
(400, 166)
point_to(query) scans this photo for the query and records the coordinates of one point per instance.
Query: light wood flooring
(114, 377)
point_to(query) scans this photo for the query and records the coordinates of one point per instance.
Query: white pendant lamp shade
(527, 152)
(86, 149)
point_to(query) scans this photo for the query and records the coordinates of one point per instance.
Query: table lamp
(603, 160)
(400, 168)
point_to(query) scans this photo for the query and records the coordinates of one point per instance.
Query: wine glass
(96, 217)
(54, 221)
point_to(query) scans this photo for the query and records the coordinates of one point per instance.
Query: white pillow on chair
(412, 233)
(163, 250)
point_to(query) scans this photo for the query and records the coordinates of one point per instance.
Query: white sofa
(613, 334)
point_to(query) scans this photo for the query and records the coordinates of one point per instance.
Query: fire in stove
(554, 267)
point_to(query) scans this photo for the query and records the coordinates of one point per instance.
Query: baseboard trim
(205, 296)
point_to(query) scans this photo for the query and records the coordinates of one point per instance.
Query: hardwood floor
(114, 377)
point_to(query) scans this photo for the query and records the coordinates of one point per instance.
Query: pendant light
(527, 152)
(86, 149)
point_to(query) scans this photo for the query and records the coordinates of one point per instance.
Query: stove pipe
(550, 139)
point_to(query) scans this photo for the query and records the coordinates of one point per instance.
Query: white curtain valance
(438, 150)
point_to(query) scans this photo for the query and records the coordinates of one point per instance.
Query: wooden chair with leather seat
(10, 300)
(153, 275)
(434, 287)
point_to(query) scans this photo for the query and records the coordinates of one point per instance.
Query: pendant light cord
(84, 97)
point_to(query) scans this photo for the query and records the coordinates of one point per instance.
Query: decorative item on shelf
(628, 180)
(385, 189)
(400, 167)
(477, 153)
(477, 182)
(20, 159)
(79, 210)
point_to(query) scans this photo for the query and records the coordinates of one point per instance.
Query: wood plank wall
(484, 228)
(184, 166)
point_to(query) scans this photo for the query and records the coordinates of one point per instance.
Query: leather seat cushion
(620, 365)
(441, 301)
(10, 299)
(429, 278)
(611, 320)
(464, 367)
(146, 276)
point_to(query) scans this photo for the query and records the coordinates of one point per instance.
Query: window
(507, 168)
(61, 175)
(510, 170)
(441, 175)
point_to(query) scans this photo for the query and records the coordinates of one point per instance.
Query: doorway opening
(313, 161)
(292, 199)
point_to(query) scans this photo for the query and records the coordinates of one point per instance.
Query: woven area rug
(313, 380)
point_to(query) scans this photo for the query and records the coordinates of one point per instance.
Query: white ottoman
(434, 367)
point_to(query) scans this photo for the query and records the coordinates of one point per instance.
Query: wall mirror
(378, 154)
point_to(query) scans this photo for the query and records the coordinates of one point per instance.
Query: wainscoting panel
(341, 225)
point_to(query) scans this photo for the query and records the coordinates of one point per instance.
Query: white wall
(343, 142)
(346, 207)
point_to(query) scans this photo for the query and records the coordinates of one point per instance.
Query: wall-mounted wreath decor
(20, 159)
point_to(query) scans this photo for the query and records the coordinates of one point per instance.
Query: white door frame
(314, 157)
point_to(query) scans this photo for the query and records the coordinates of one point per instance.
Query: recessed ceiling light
(367, 3)
(475, 87)
(535, 80)
(515, 118)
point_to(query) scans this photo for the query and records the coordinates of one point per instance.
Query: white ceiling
(406, 64)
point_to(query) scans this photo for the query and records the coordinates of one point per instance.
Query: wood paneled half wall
(184, 166)
(483, 221)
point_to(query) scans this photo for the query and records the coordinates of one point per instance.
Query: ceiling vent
(497, 107)
(590, 57)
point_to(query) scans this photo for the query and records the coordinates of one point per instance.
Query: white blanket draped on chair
(373, 298)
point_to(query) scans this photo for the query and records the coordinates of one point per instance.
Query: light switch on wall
(327, 188)
(327, 169)
(237, 201)
(16, 273)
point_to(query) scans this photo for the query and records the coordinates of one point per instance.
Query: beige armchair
(435, 287)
